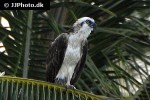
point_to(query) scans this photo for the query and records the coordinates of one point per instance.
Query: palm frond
(28, 89)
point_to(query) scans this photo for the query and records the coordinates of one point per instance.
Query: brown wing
(80, 66)
(55, 56)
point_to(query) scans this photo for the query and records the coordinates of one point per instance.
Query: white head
(84, 24)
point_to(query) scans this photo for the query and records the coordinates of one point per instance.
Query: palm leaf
(28, 89)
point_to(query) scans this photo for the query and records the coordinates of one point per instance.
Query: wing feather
(55, 56)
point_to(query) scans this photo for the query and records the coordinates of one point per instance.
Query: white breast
(72, 57)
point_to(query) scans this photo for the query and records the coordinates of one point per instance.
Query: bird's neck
(81, 34)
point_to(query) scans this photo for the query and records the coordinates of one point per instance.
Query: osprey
(67, 54)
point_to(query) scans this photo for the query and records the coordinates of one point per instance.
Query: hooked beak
(93, 25)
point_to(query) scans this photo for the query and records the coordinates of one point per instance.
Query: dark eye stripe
(88, 22)
(82, 23)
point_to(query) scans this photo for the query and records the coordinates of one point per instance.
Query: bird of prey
(67, 54)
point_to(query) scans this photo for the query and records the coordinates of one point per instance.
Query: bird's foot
(60, 81)
(70, 86)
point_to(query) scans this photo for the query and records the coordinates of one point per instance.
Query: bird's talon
(60, 81)
(70, 86)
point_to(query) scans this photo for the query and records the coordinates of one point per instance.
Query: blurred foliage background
(118, 61)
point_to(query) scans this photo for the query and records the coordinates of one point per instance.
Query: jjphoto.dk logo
(13, 5)
(6, 5)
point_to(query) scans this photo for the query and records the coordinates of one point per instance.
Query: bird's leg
(68, 85)
(60, 81)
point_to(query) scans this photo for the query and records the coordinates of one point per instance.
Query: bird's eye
(88, 22)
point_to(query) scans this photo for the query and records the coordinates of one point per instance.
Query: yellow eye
(88, 22)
